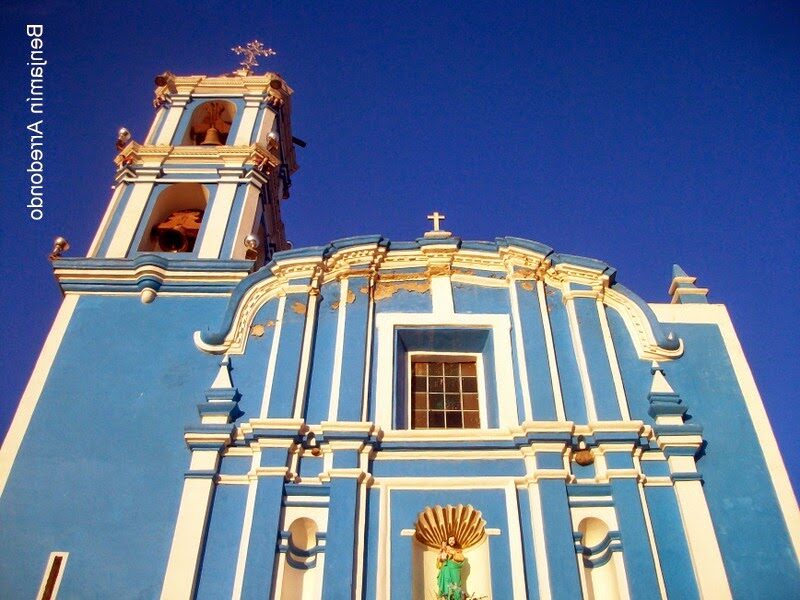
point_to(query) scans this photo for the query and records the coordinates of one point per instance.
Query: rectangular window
(444, 393)
(52, 576)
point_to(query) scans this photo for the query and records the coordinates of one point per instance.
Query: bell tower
(207, 180)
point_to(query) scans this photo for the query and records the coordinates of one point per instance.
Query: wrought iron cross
(250, 51)
(436, 217)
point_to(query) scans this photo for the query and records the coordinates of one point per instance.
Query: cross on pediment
(436, 217)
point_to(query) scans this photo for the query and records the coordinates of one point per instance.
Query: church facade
(217, 415)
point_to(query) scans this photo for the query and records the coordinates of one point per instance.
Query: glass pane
(418, 384)
(436, 401)
(420, 419)
(454, 419)
(468, 369)
(420, 368)
(452, 402)
(435, 368)
(470, 401)
(436, 384)
(451, 384)
(469, 384)
(472, 419)
(420, 400)
(451, 369)
(436, 418)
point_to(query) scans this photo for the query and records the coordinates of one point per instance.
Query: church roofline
(308, 266)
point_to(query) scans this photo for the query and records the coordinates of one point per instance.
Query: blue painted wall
(753, 538)
(99, 473)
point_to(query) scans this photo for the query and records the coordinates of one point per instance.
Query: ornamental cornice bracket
(439, 259)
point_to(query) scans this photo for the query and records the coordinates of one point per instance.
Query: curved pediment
(411, 265)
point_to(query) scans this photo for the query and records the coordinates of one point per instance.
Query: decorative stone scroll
(436, 524)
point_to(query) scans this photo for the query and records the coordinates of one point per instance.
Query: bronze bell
(179, 231)
(212, 138)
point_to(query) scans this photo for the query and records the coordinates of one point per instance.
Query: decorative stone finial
(251, 51)
(683, 289)
(436, 232)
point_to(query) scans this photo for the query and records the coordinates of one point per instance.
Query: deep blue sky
(638, 134)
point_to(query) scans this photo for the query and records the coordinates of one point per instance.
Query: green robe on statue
(449, 580)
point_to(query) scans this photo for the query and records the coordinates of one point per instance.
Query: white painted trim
(113, 203)
(704, 551)
(555, 380)
(515, 541)
(611, 351)
(50, 560)
(273, 358)
(174, 113)
(154, 125)
(33, 391)
(442, 296)
(217, 220)
(247, 223)
(368, 359)
(132, 214)
(580, 357)
(336, 377)
(522, 365)
(539, 542)
(247, 526)
(360, 541)
(500, 325)
(187, 541)
(246, 123)
(717, 314)
(305, 355)
(651, 537)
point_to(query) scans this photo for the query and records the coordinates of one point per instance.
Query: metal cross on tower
(251, 51)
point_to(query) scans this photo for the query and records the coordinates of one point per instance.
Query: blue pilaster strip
(261, 554)
(354, 352)
(639, 565)
(597, 361)
(571, 390)
(670, 536)
(340, 552)
(564, 581)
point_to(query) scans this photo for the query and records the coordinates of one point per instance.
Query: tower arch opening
(210, 124)
(175, 219)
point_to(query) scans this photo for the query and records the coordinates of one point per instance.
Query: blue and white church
(215, 414)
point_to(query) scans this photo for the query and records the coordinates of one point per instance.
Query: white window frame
(499, 325)
(59, 577)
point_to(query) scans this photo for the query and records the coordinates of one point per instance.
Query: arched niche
(174, 222)
(438, 525)
(301, 578)
(599, 563)
(213, 114)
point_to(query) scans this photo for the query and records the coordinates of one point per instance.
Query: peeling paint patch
(387, 290)
(299, 308)
(257, 330)
(351, 297)
(527, 285)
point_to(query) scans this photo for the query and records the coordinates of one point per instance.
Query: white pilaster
(187, 542)
(126, 228)
(217, 220)
(176, 109)
(703, 546)
(247, 121)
